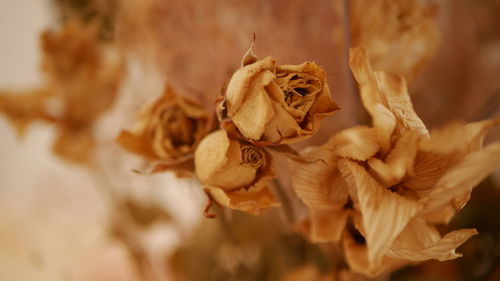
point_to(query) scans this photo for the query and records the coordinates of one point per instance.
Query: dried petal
(420, 242)
(399, 162)
(358, 143)
(385, 214)
(463, 176)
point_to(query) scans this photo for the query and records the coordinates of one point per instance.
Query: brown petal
(463, 177)
(420, 242)
(385, 214)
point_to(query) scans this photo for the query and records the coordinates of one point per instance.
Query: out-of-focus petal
(251, 202)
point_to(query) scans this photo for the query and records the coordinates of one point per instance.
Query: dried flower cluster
(379, 193)
(381, 190)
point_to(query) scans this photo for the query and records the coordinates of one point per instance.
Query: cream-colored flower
(168, 131)
(235, 174)
(396, 176)
(277, 104)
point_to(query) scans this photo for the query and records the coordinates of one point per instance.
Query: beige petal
(399, 102)
(282, 128)
(318, 182)
(444, 149)
(441, 215)
(234, 173)
(373, 99)
(385, 214)
(242, 81)
(358, 143)
(399, 162)
(256, 111)
(421, 242)
(211, 155)
(463, 177)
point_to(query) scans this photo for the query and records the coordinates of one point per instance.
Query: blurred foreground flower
(83, 76)
(236, 174)
(271, 104)
(168, 132)
(380, 189)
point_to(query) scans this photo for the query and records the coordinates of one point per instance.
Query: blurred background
(61, 220)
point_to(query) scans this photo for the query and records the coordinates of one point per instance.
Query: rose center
(252, 156)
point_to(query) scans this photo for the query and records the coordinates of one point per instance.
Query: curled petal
(463, 177)
(399, 162)
(420, 242)
(384, 213)
(358, 143)
(445, 148)
(399, 102)
(373, 99)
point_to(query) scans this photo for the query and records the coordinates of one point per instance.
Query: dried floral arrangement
(369, 200)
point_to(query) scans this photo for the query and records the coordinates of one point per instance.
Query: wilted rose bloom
(82, 77)
(168, 131)
(277, 104)
(380, 189)
(236, 174)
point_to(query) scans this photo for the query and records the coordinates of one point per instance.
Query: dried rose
(168, 130)
(277, 104)
(82, 77)
(396, 175)
(236, 174)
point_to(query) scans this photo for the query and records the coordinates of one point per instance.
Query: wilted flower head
(235, 173)
(82, 78)
(276, 104)
(379, 189)
(168, 131)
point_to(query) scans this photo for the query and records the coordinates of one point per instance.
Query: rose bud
(271, 104)
(168, 131)
(234, 173)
